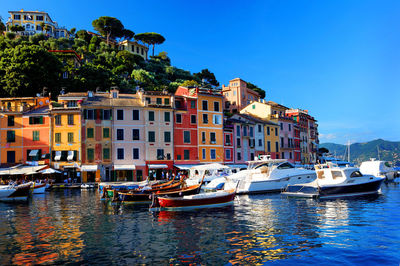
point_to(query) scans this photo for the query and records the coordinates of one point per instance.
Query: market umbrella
(49, 171)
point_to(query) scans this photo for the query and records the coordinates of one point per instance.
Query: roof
(127, 100)
(276, 104)
(38, 111)
(97, 100)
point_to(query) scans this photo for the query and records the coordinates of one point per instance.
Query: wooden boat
(38, 188)
(15, 193)
(204, 200)
(191, 190)
(134, 198)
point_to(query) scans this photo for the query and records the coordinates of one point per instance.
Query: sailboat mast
(348, 154)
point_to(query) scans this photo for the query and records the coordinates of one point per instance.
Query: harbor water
(74, 226)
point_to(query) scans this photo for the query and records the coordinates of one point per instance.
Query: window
(106, 154)
(35, 135)
(70, 119)
(282, 143)
(203, 137)
(228, 139)
(120, 154)
(213, 154)
(40, 18)
(159, 101)
(90, 133)
(238, 142)
(186, 136)
(205, 118)
(244, 131)
(160, 154)
(227, 154)
(10, 136)
(268, 131)
(107, 115)
(167, 116)
(148, 100)
(10, 156)
(193, 104)
(238, 130)
(281, 124)
(356, 174)
(166, 101)
(216, 106)
(90, 154)
(269, 146)
(178, 118)
(120, 134)
(276, 131)
(178, 104)
(283, 155)
(151, 115)
(204, 105)
(213, 139)
(186, 154)
(135, 154)
(239, 156)
(70, 137)
(203, 152)
(217, 119)
(120, 114)
(259, 128)
(17, 17)
(260, 142)
(336, 174)
(276, 146)
(106, 132)
(135, 115)
(193, 119)
(57, 120)
(57, 137)
(152, 136)
(167, 136)
(135, 134)
(251, 131)
(36, 120)
(290, 155)
(178, 157)
(90, 114)
(10, 121)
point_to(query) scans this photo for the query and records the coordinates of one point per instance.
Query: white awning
(33, 152)
(158, 166)
(58, 156)
(89, 168)
(184, 166)
(124, 167)
(70, 155)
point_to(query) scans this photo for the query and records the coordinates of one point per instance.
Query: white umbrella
(49, 171)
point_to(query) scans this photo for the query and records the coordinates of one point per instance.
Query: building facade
(134, 48)
(237, 95)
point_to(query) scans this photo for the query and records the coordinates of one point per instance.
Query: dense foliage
(26, 65)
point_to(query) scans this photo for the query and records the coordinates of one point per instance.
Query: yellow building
(134, 48)
(65, 145)
(35, 22)
(210, 126)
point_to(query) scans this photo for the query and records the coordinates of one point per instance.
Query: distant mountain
(359, 152)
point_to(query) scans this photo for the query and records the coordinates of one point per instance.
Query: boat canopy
(210, 166)
(185, 166)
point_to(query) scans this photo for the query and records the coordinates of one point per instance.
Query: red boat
(203, 200)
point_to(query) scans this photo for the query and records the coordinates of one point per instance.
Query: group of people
(21, 180)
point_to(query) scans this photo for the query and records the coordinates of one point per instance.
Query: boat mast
(348, 154)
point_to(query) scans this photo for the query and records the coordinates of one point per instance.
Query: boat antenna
(348, 155)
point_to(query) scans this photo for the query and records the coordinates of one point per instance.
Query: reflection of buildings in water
(334, 214)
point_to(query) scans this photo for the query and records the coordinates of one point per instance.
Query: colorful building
(185, 128)
(128, 137)
(237, 95)
(36, 22)
(229, 155)
(210, 126)
(158, 108)
(65, 145)
(24, 132)
(96, 137)
(134, 48)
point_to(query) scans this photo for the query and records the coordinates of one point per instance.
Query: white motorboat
(87, 186)
(334, 181)
(209, 171)
(268, 175)
(14, 192)
(378, 168)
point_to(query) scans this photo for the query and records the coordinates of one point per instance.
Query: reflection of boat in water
(204, 200)
(267, 175)
(335, 181)
(15, 193)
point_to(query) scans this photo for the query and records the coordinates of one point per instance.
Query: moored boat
(204, 200)
(38, 188)
(334, 181)
(15, 193)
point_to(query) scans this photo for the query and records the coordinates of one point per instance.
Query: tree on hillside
(26, 69)
(150, 38)
(2, 26)
(190, 84)
(127, 34)
(16, 28)
(206, 77)
(71, 32)
(108, 27)
(256, 89)
(82, 34)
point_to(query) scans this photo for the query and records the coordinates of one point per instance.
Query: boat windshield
(356, 174)
(285, 166)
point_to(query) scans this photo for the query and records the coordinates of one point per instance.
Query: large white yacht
(268, 175)
(378, 168)
(335, 181)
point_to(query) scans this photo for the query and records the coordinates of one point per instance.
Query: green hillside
(359, 152)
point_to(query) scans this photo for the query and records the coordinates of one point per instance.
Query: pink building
(237, 95)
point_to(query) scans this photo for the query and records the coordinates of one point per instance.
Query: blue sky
(338, 59)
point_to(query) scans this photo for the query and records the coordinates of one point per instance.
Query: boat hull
(38, 188)
(19, 193)
(132, 198)
(167, 203)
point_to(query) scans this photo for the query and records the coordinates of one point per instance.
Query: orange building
(210, 126)
(24, 131)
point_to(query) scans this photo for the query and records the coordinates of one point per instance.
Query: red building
(296, 150)
(185, 128)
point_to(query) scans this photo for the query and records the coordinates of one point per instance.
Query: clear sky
(338, 59)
